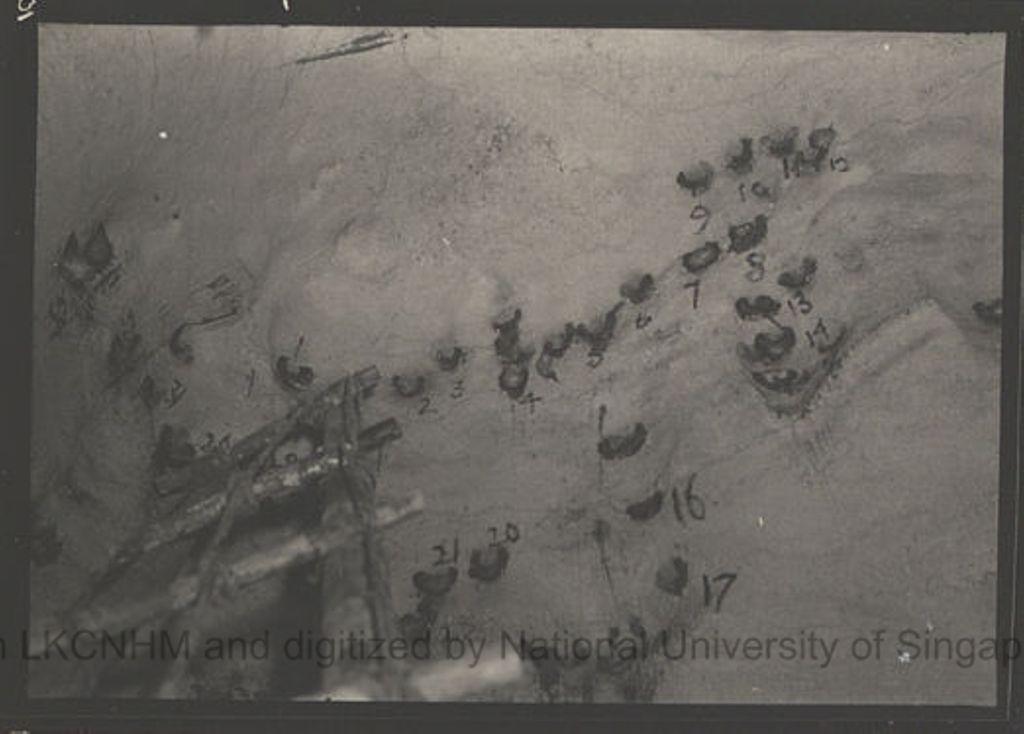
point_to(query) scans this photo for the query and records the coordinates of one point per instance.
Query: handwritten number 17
(724, 582)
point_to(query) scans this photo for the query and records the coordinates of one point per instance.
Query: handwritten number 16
(695, 506)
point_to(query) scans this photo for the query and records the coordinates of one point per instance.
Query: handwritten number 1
(695, 284)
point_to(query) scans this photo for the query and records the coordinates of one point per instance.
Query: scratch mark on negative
(358, 45)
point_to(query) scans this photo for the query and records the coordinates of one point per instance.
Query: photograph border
(18, 100)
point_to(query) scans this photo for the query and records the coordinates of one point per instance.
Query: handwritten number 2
(425, 406)
(443, 557)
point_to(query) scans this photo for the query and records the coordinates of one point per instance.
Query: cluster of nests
(769, 347)
(515, 357)
(698, 178)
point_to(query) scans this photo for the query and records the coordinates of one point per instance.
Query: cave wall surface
(376, 207)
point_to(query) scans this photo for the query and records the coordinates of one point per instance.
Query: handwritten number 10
(511, 533)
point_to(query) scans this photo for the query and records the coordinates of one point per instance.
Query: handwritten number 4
(819, 329)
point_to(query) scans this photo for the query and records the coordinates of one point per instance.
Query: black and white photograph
(518, 365)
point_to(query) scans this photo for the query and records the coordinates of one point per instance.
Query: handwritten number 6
(703, 215)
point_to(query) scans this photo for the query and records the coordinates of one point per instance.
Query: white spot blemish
(903, 658)
(760, 522)
(886, 46)
(287, 7)
(162, 135)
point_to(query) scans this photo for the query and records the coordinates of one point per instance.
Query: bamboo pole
(274, 485)
(356, 595)
(183, 592)
(448, 680)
